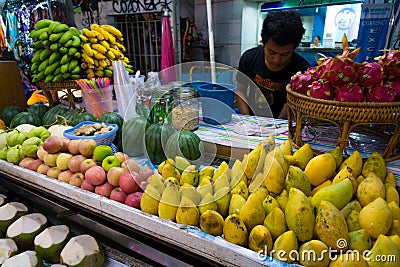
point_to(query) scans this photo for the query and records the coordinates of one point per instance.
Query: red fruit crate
(346, 116)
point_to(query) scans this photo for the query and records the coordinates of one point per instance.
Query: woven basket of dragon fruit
(354, 101)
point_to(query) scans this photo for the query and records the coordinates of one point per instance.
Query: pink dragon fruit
(350, 93)
(340, 70)
(321, 89)
(380, 93)
(300, 82)
(370, 75)
(396, 88)
(391, 64)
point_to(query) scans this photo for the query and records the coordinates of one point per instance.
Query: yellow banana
(113, 30)
(99, 56)
(93, 40)
(109, 62)
(109, 67)
(103, 32)
(110, 55)
(105, 44)
(99, 48)
(87, 59)
(126, 59)
(87, 49)
(99, 67)
(88, 33)
(89, 71)
(117, 53)
(83, 38)
(84, 65)
(121, 47)
(103, 63)
(99, 73)
(99, 35)
(95, 62)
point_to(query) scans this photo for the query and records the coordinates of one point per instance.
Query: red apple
(95, 175)
(104, 189)
(87, 146)
(145, 173)
(76, 179)
(65, 145)
(86, 186)
(65, 176)
(114, 174)
(41, 152)
(87, 164)
(133, 199)
(129, 182)
(131, 165)
(121, 156)
(43, 168)
(50, 159)
(62, 161)
(74, 163)
(53, 172)
(34, 165)
(24, 163)
(53, 144)
(118, 195)
(73, 146)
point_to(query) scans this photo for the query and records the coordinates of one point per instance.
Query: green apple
(109, 162)
(101, 152)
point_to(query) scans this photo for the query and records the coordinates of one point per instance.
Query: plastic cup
(97, 102)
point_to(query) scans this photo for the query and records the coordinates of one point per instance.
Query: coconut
(49, 243)
(8, 248)
(27, 258)
(8, 214)
(3, 199)
(82, 251)
(21, 208)
(25, 228)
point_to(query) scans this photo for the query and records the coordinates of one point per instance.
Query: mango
(222, 198)
(269, 203)
(187, 212)
(207, 203)
(351, 258)
(235, 230)
(282, 198)
(299, 215)
(301, 157)
(323, 185)
(221, 181)
(284, 245)
(241, 189)
(320, 168)
(207, 171)
(384, 248)
(169, 202)
(275, 222)
(211, 222)
(395, 210)
(370, 189)
(298, 179)
(355, 162)
(205, 186)
(251, 161)
(286, 147)
(396, 240)
(390, 179)
(331, 227)
(237, 173)
(395, 228)
(189, 191)
(236, 204)
(337, 153)
(376, 164)
(348, 173)
(252, 213)
(353, 221)
(392, 195)
(261, 192)
(307, 256)
(352, 205)
(223, 169)
(279, 156)
(260, 238)
(190, 175)
(274, 177)
(376, 218)
(338, 194)
(359, 240)
(156, 181)
(150, 200)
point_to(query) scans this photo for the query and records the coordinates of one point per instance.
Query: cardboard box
(11, 87)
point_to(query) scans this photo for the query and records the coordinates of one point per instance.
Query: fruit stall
(166, 184)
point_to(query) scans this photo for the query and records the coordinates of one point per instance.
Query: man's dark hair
(283, 27)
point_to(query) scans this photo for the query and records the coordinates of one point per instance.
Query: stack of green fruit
(56, 50)
(101, 45)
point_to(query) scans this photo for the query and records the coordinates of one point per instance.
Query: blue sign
(373, 30)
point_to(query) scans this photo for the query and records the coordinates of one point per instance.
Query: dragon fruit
(370, 75)
(396, 88)
(350, 93)
(380, 93)
(340, 71)
(391, 64)
(300, 82)
(321, 89)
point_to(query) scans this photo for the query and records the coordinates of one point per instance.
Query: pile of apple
(83, 163)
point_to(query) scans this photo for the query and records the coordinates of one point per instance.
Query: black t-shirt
(271, 83)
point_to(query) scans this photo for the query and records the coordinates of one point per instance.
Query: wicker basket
(67, 88)
(346, 116)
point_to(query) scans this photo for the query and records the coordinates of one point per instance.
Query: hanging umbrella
(167, 51)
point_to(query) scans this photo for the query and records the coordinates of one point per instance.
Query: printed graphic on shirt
(268, 87)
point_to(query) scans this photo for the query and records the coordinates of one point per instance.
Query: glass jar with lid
(163, 104)
(185, 115)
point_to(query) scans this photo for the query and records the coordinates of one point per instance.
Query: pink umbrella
(167, 51)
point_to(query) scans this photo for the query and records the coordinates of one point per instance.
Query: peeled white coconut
(28, 258)
(58, 129)
(49, 243)
(8, 214)
(25, 228)
(3, 199)
(21, 208)
(25, 127)
(8, 248)
(83, 251)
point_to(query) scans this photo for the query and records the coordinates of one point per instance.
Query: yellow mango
(235, 230)
(260, 238)
(376, 218)
(284, 245)
(320, 168)
(275, 222)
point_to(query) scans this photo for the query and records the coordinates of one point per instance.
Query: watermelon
(156, 137)
(53, 116)
(184, 143)
(38, 109)
(74, 117)
(114, 118)
(25, 118)
(133, 132)
(8, 113)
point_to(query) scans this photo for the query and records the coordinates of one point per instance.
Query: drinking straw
(93, 91)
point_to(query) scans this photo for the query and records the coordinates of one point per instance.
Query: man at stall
(271, 65)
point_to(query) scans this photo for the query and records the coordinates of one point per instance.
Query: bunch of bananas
(101, 45)
(56, 50)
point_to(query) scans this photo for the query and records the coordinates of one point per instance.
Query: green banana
(43, 36)
(65, 59)
(52, 26)
(36, 33)
(61, 28)
(44, 54)
(65, 37)
(58, 78)
(64, 68)
(42, 24)
(55, 56)
(63, 50)
(49, 78)
(68, 44)
(72, 64)
(54, 37)
(76, 42)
